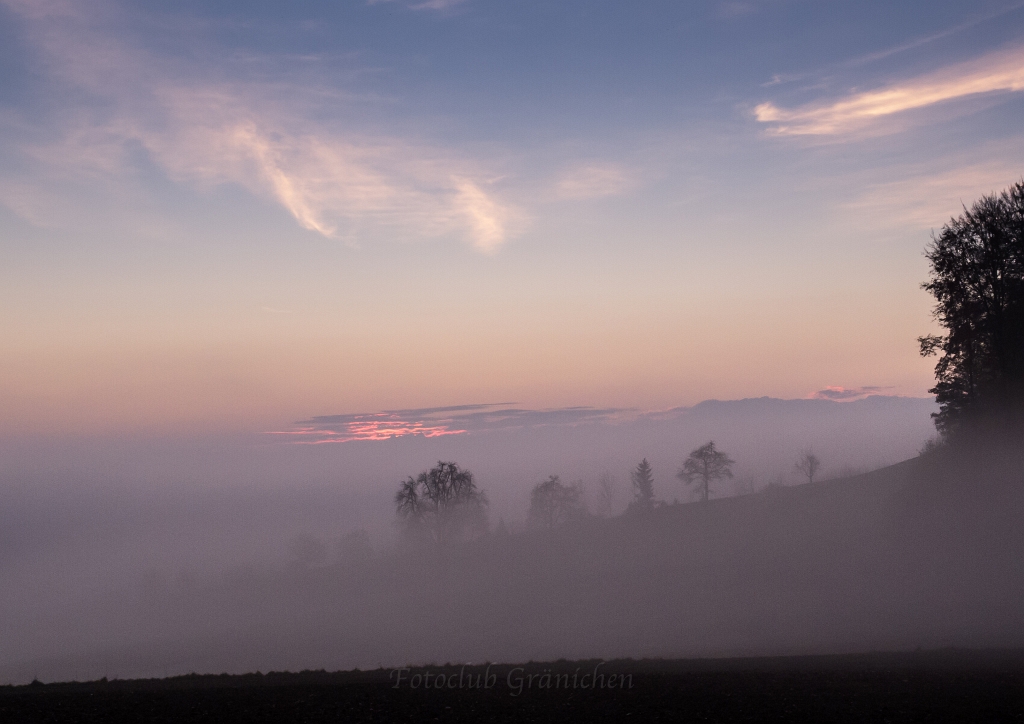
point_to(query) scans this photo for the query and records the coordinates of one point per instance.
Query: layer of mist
(159, 557)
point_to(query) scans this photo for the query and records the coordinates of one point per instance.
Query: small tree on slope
(552, 503)
(808, 465)
(643, 486)
(705, 465)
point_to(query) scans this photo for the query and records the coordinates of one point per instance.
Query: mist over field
(344, 334)
(155, 557)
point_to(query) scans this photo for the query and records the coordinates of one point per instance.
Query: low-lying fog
(141, 557)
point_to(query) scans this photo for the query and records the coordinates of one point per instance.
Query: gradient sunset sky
(235, 215)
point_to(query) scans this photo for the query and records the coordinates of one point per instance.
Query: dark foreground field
(936, 686)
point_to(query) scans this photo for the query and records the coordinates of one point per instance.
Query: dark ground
(935, 686)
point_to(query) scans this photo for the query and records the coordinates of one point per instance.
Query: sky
(239, 216)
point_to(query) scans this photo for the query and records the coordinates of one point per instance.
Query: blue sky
(232, 215)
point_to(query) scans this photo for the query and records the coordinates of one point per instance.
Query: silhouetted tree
(552, 503)
(931, 446)
(444, 502)
(704, 465)
(977, 279)
(808, 465)
(643, 486)
(606, 494)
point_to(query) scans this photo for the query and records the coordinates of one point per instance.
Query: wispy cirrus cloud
(1000, 71)
(37, 9)
(436, 4)
(926, 39)
(263, 135)
(926, 200)
(424, 4)
(486, 218)
(735, 9)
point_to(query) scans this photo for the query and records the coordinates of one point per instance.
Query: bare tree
(704, 465)
(606, 494)
(552, 503)
(408, 503)
(443, 502)
(808, 465)
(643, 486)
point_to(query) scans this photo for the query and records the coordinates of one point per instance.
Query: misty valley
(922, 555)
(536, 361)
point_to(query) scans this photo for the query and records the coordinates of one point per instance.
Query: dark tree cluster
(703, 466)
(977, 279)
(443, 504)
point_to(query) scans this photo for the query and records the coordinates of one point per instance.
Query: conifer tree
(643, 486)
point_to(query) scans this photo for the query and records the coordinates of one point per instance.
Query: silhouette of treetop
(705, 465)
(444, 500)
(553, 503)
(977, 279)
(643, 486)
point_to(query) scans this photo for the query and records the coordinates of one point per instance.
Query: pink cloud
(998, 71)
(382, 426)
(437, 422)
(847, 394)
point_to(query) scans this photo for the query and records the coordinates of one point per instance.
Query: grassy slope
(917, 554)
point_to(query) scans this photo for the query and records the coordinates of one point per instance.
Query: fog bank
(154, 557)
